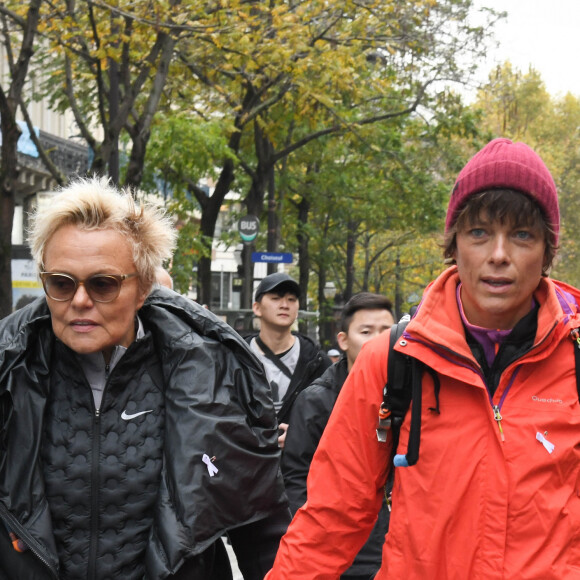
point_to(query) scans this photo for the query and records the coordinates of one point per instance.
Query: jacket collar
(558, 313)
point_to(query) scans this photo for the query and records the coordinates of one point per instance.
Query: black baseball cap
(276, 282)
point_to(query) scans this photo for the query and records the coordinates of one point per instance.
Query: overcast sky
(544, 33)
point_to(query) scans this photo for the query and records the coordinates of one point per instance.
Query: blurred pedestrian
(164, 278)
(333, 355)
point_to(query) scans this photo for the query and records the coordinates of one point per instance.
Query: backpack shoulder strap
(404, 383)
(397, 393)
(576, 338)
(275, 359)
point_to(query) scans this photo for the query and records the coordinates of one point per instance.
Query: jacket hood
(202, 321)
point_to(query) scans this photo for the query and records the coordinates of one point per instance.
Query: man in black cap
(291, 360)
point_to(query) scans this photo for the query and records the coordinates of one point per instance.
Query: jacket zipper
(497, 408)
(30, 542)
(291, 395)
(95, 452)
(94, 497)
(497, 417)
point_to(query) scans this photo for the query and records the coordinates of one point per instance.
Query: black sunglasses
(100, 287)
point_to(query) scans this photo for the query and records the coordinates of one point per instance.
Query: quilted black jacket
(144, 483)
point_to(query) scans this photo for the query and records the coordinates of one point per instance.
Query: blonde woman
(135, 428)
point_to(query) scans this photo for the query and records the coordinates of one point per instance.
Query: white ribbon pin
(211, 468)
(549, 446)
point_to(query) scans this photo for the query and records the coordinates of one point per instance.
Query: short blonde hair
(95, 204)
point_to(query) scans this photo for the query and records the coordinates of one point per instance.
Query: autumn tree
(108, 64)
(277, 77)
(284, 75)
(182, 156)
(19, 31)
(357, 199)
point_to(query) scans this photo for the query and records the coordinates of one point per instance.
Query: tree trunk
(8, 151)
(398, 294)
(114, 99)
(8, 180)
(209, 216)
(136, 163)
(141, 131)
(254, 205)
(272, 242)
(247, 296)
(263, 180)
(324, 311)
(303, 255)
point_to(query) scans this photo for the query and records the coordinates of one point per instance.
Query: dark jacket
(308, 419)
(312, 363)
(215, 400)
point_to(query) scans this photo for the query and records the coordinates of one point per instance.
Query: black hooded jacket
(145, 484)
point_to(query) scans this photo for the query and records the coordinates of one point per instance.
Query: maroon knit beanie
(502, 164)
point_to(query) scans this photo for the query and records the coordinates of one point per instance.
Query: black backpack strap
(412, 455)
(276, 360)
(575, 334)
(404, 382)
(395, 376)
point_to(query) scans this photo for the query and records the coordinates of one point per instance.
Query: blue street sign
(273, 257)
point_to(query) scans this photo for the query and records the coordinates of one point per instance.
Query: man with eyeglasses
(136, 428)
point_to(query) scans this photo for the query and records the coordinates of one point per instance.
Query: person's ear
(256, 309)
(342, 340)
(142, 296)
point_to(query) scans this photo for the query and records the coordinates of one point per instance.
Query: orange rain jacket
(474, 507)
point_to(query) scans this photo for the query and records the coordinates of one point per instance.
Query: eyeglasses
(100, 288)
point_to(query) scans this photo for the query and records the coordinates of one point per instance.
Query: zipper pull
(497, 417)
(16, 542)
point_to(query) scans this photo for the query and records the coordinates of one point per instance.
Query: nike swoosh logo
(125, 416)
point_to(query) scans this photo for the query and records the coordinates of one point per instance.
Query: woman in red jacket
(496, 490)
